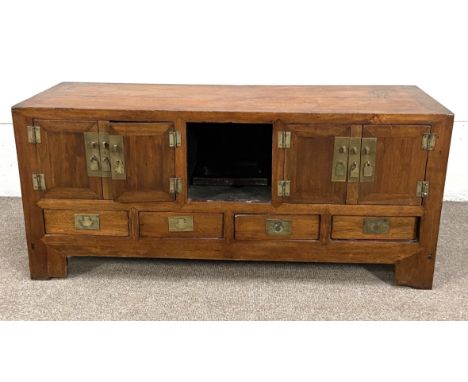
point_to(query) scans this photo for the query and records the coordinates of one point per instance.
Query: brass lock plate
(340, 159)
(276, 227)
(180, 223)
(368, 159)
(93, 156)
(87, 222)
(104, 147)
(117, 157)
(376, 226)
(354, 159)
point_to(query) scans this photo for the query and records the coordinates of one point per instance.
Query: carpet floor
(152, 289)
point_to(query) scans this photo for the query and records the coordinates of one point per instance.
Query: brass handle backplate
(274, 227)
(87, 222)
(376, 226)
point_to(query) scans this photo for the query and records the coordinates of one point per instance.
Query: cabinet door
(62, 160)
(400, 163)
(149, 162)
(308, 164)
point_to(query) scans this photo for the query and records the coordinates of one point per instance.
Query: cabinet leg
(416, 271)
(57, 264)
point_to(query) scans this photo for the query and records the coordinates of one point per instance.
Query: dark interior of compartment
(229, 161)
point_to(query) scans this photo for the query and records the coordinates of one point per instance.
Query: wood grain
(33, 216)
(222, 98)
(149, 162)
(351, 228)
(400, 164)
(360, 251)
(418, 272)
(308, 164)
(205, 226)
(252, 227)
(62, 159)
(239, 207)
(112, 223)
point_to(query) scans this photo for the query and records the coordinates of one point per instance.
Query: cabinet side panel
(33, 217)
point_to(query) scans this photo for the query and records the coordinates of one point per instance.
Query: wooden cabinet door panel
(62, 160)
(149, 162)
(400, 164)
(308, 164)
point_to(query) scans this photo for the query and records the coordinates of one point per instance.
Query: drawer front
(71, 222)
(276, 227)
(185, 224)
(367, 227)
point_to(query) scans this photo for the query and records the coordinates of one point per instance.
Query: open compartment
(229, 161)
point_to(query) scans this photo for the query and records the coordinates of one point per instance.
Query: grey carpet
(135, 289)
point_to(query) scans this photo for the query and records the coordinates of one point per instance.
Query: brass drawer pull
(180, 223)
(87, 222)
(376, 226)
(278, 227)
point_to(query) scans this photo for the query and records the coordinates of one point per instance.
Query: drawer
(367, 227)
(175, 224)
(276, 227)
(71, 222)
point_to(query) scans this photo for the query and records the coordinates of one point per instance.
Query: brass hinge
(38, 182)
(423, 189)
(175, 139)
(428, 141)
(284, 139)
(34, 134)
(175, 185)
(284, 188)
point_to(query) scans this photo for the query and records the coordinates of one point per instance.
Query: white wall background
(235, 42)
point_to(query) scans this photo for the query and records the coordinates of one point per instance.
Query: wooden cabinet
(282, 173)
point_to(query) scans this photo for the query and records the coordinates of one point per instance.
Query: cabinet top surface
(237, 99)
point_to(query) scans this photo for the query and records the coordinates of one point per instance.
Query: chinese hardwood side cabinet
(342, 174)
